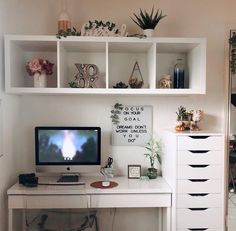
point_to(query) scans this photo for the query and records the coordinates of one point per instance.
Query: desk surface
(131, 186)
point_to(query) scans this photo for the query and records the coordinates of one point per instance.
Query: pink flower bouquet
(39, 66)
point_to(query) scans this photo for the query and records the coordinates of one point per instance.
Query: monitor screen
(67, 149)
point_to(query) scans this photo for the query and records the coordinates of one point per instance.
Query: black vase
(152, 173)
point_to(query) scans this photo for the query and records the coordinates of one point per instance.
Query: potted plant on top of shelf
(148, 21)
(183, 119)
(154, 151)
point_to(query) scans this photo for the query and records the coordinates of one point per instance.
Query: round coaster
(98, 184)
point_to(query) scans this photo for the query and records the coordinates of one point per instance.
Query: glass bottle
(179, 74)
(64, 21)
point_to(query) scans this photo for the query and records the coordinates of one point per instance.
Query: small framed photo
(134, 171)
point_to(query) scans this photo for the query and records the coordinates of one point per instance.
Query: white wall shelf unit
(115, 58)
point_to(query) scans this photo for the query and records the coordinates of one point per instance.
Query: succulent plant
(147, 20)
(181, 111)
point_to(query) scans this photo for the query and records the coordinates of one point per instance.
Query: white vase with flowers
(39, 69)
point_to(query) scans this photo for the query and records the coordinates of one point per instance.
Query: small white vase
(148, 32)
(40, 80)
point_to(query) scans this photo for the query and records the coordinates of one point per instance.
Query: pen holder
(108, 173)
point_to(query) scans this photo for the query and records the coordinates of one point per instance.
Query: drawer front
(208, 218)
(193, 186)
(200, 171)
(196, 200)
(200, 157)
(200, 143)
(56, 201)
(130, 200)
(199, 229)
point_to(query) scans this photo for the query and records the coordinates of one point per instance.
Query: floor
(232, 212)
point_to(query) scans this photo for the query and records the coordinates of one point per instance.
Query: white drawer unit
(200, 157)
(197, 179)
(196, 200)
(199, 218)
(199, 186)
(202, 171)
(199, 229)
(200, 142)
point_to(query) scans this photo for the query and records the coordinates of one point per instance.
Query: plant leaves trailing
(147, 20)
(115, 112)
(68, 32)
(232, 42)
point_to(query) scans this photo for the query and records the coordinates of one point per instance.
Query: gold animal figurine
(165, 82)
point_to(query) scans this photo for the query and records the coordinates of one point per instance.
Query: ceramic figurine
(165, 82)
(197, 116)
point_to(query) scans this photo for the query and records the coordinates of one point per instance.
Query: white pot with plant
(153, 152)
(148, 21)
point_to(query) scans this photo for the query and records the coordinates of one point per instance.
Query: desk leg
(168, 219)
(160, 219)
(165, 219)
(10, 220)
(23, 220)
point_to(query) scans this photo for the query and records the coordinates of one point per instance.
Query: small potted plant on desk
(154, 151)
(148, 21)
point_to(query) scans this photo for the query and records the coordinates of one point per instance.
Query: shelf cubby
(115, 58)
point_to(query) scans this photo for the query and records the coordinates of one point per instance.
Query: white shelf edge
(104, 39)
(103, 91)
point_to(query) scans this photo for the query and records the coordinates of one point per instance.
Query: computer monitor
(68, 149)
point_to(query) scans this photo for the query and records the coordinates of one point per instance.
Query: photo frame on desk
(134, 171)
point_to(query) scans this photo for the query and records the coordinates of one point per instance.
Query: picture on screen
(67, 146)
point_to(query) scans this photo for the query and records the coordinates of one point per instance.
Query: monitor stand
(68, 178)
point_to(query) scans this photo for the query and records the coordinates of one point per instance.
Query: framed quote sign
(134, 126)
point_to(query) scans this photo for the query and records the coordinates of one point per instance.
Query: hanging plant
(232, 42)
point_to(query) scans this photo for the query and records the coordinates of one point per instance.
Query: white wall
(190, 18)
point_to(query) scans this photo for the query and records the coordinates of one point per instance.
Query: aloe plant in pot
(148, 21)
(154, 151)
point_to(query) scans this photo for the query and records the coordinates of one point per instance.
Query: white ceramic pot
(148, 32)
(40, 80)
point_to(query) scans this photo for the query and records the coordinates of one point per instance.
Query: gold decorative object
(64, 22)
(165, 82)
(188, 119)
(136, 79)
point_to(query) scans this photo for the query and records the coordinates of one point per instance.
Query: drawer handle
(198, 194)
(198, 180)
(197, 209)
(198, 165)
(199, 137)
(197, 229)
(199, 151)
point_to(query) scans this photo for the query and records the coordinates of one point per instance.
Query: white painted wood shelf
(115, 58)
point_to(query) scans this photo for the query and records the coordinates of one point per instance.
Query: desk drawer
(200, 143)
(200, 157)
(49, 201)
(208, 218)
(196, 200)
(200, 171)
(130, 200)
(191, 186)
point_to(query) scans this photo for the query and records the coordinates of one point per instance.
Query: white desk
(130, 193)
